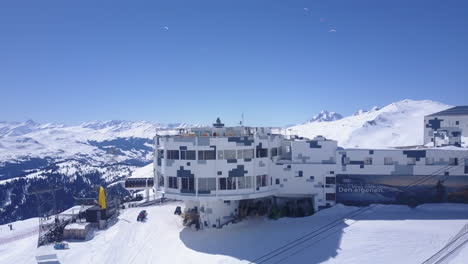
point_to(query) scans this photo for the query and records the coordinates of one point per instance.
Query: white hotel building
(219, 170)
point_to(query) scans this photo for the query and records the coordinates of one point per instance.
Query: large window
(187, 185)
(233, 154)
(205, 185)
(172, 182)
(245, 182)
(234, 183)
(231, 183)
(187, 155)
(229, 154)
(388, 161)
(330, 180)
(206, 155)
(248, 154)
(172, 154)
(161, 153)
(222, 183)
(262, 153)
(453, 161)
(368, 161)
(262, 180)
(274, 152)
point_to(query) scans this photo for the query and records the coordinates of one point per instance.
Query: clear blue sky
(279, 63)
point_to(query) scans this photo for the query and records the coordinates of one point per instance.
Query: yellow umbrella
(102, 198)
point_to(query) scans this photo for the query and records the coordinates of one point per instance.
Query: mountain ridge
(396, 124)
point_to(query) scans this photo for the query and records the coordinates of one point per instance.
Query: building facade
(447, 128)
(220, 171)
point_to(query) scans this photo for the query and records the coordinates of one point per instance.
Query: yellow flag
(102, 198)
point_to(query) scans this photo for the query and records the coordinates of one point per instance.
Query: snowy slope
(383, 234)
(397, 124)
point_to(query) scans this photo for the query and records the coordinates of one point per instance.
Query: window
(231, 183)
(248, 153)
(161, 153)
(429, 161)
(262, 180)
(173, 154)
(187, 184)
(457, 123)
(277, 181)
(368, 161)
(187, 155)
(299, 174)
(206, 155)
(345, 160)
(330, 180)
(262, 153)
(312, 178)
(274, 152)
(222, 183)
(172, 182)
(245, 182)
(240, 153)
(330, 196)
(388, 161)
(453, 161)
(220, 154)
(229, 154)
(205, 185)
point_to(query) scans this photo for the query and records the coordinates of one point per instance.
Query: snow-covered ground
(397, 124)
(382, 234)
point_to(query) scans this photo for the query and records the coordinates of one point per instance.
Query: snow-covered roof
(75, 210)
(80, 226)
(454, 111)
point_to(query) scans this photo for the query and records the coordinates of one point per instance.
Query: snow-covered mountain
(96, 142)
(325, 116)
(78, 158)
(397, 124)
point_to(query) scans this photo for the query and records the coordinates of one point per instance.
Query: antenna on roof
(242, 119)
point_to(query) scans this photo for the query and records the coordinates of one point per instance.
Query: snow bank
(384, 234)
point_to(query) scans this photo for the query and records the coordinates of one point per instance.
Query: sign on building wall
(400, 189)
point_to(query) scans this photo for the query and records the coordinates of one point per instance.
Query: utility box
(76, 231)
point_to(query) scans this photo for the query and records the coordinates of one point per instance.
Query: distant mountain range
(79, 158)
(325, 116)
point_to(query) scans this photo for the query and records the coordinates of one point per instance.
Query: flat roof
(454, 111)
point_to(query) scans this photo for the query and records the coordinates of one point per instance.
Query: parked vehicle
(61, 245)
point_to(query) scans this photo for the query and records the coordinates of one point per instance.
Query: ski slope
(397, 124)
(382, 234)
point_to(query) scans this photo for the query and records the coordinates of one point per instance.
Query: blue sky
(279, 62)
